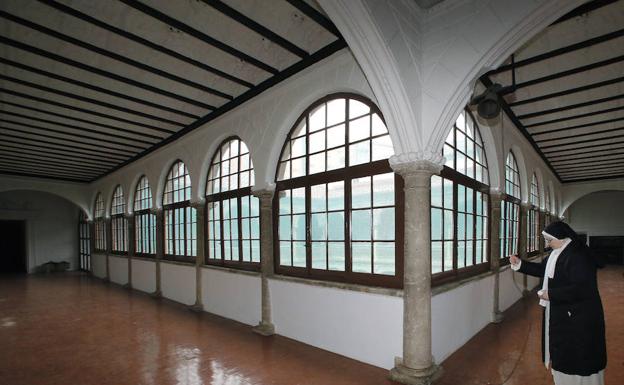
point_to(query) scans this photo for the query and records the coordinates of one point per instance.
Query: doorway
(12, 246)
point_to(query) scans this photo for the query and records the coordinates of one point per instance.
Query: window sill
(232, 270)
(340, 285)
(461, 282)
(180, 263)
(145, 258)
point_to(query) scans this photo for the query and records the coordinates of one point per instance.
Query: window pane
(361, 255)
(361, 225)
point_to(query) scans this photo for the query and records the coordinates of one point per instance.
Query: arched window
(233, 214)
(459, 205)
(510, 208)
(144, 220)
(339, 211)
(84, 239)
(180, 218)
(548, 207)
(533, 233)
(119, 237)
(100, 224)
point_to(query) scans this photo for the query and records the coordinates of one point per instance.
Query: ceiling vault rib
(565, 73)
(315, 15)
(42, 149)
(77, 150)
(120, 151)
(575, 117)
(116, 56)
(89, 100)
(85, 111)
(95, 88)
(559, 51)
(293, 69)
(256, 27)
(68, 158)
(130, 36)
(137, 133)
(571, 107)
(581, 135)
(31, 175)
(98, 71)
(567, 92)
(47, 129)
(578, 126)
(177, 24)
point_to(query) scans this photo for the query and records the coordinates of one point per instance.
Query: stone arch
(540, 186)
(522, 170)
(572, 193)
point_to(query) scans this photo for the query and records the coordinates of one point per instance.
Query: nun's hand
(514, 260)
(543, 294)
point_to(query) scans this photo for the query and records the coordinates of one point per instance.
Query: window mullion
(240, 226)
(455, 222)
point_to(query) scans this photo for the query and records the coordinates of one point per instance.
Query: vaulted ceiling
(89, 86)
(569, 94)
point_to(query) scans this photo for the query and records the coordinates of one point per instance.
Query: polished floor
(72, 329)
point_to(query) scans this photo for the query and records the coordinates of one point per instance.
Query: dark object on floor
(53, 267)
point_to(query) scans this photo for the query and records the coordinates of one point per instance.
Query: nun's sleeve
(536, 269)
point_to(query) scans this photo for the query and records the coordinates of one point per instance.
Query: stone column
(522, 241)
(109, 246)
(495, 219)
(131, 246)
(200, 209)
(417, 365)
(160, 247)
(266, 327)
(91, 244)
(541, 245)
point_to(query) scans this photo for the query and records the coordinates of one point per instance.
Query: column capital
(199, 204)
(496, 194)
(129, 216)
(414, 163)
(525, 206)
(156, 210)
(264, 192)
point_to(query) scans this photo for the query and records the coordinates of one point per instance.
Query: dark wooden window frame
(222, 197)
(346, 174)
(118, 225)
(174, 208)
(143, 216)
(84, 242)
(533, 219)
(99, 231)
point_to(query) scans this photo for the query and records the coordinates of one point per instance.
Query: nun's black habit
(576, 328)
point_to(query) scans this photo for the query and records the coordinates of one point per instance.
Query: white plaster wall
(363, 326)
(511, 286)
(51, 226)
(118, 269)
(458, 314)
(144, 275)
(599, 213)
(178, 282)
(98, 265)
(232, 295)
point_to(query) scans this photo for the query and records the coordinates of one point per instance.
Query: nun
(573, 329)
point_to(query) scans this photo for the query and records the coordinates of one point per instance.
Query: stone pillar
(200, 209)
(417, 365)
(266, 327)
(109, 246)
(522, 241)
(495, 219)
(160, 247)
(131, 247)
(541, 227)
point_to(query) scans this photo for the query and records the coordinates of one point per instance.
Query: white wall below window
(118, 269)
(178, 282)
(232, 295)
(98, 265)
(144, 275)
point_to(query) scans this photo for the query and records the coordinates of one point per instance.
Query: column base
(127, 286)
(264, 329)
(526, 293)
(197, 308)
(106, 280)
(409, 376)
(156, 294)
(497, 317)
